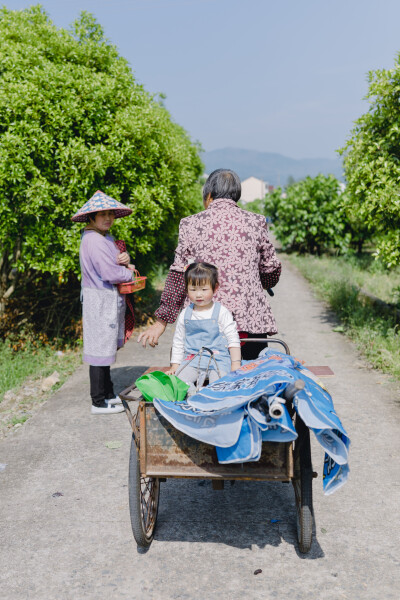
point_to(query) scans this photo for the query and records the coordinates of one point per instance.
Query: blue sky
(283, 76)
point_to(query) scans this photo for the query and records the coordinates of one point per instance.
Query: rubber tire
(143, 538)
(304, 501)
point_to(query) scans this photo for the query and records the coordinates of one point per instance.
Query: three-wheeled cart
(159, 451)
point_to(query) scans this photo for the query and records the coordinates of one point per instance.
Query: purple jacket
(103, 308)
(98, 257)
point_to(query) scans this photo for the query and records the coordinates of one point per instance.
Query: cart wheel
(143, 501)
(303, 488)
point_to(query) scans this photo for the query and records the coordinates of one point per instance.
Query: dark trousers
(101, 387)
(251, 350)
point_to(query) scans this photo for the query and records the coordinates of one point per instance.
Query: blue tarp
(227, 415)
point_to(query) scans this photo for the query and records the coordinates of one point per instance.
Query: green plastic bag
(162, 386)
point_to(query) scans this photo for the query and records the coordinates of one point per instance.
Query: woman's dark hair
(223, 183)
(92, 216)
(201, 273)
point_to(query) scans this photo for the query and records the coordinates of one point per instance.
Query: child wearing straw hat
(103, 266)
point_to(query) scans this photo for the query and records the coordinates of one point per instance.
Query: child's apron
(205, 332)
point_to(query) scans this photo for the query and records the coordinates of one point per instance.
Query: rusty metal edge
(208, 475)
(127, 411)
(124, 394)
(131, 420)
(267, 340)
(142, 448)
(289, 460)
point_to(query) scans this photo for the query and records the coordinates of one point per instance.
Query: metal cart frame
(159, 451)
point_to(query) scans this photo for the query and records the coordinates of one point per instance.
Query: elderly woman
(103, 267)
(236, 242)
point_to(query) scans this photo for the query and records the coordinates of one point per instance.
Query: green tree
(272, 201)
(255, 206)
(372, 165)
(73, 120)
(290, 181)
(308, 216)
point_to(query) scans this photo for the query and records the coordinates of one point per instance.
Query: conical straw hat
(100, 201)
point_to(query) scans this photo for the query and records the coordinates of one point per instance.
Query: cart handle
(200, 355)
(131, 420)
(127, 391)
(267, 340)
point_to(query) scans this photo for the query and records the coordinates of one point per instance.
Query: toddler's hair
(201, 273)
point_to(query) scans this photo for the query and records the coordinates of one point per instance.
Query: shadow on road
(242, 515)
(125, 376)
(328, 316)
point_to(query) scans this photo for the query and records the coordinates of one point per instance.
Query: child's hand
(236, 361)
(172, 370)
(123, 259)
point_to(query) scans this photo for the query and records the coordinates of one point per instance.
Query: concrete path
(65, 529)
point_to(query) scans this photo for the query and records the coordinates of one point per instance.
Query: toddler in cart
(204, 323)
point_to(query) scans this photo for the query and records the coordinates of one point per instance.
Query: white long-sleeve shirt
(227, 327)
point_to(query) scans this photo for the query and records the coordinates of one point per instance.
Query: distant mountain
(275, 169)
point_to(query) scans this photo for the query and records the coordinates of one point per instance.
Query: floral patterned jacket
(236, 241)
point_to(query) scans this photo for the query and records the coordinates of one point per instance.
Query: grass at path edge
(377, 336)
(39, 361)
(21, 374)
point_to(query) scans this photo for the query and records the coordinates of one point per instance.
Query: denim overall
(206, 333)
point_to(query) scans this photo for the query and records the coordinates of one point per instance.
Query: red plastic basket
(137, 283)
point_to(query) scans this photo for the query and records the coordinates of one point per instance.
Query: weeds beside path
(22, 375)
(337, 281)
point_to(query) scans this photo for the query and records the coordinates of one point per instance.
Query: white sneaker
(107, 410)
(116, 400)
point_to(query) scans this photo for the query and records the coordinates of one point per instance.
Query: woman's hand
(152, 334)
(123, 259)
(172, 370)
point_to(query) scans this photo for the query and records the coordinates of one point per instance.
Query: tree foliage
(255, 206)
(372, 164)
(73, 120)
(308, 216)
